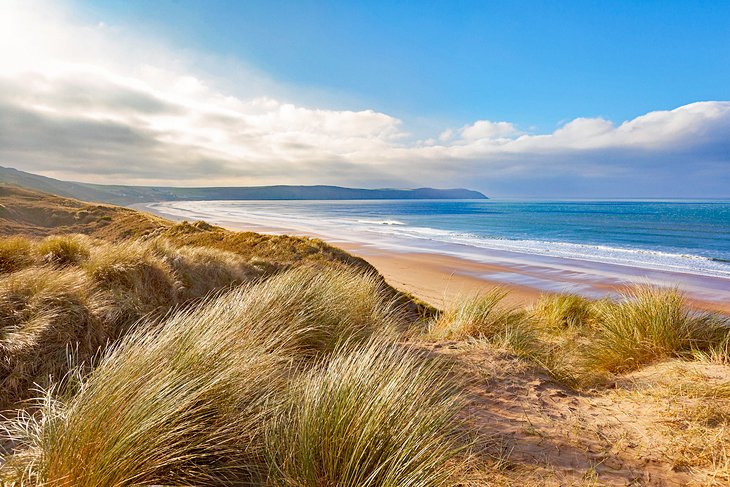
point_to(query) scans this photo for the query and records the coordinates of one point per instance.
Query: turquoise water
(684, 236)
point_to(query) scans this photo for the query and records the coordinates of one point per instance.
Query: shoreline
(438, 278)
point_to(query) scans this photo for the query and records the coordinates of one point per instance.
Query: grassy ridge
(26, 212)
(582, 342)
(73, 294)
(231, 392)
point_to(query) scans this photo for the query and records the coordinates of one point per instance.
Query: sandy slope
(637, 432)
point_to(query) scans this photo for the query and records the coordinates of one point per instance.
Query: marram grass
(136, 279)
(62, 250)
(201, 269)
(183, 405)
(650, 324)
(581, 342)
(15, 254)
(560, 311)
(44, 314)
(379, 415)
(478, 316)
(75, 293)
(223, 393)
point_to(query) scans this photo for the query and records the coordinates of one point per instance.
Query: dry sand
(641, 432)
(437, 279)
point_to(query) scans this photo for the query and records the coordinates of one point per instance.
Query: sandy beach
(439, 278)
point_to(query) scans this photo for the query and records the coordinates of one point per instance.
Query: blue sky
(521, 99)
(534, 63)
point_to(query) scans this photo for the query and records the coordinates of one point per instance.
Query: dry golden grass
(214, 396)
(45, 314)
(183, 405)
(276, 251)
(76, 294)
(62, 250)
(120, 283)
(379, 415)
(560, 311)
(581, 342)
(650, 324)
(315, 309)
(37, 214)
(201, 269)
(480, 316)
(139, 282)
(14, 254)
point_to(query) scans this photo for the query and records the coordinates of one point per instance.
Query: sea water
(683, 236)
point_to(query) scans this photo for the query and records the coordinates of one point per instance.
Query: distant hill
(126, 195)
(33, 213)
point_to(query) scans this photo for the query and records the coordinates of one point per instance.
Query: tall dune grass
(44, 314)
(183, 405)
(201, 269)
(484, 316)
(375, 416)
(648, 324)
(560, 311)
(79, 301)
(63, 250)
(313, 309)
(192, 401)
(73, 293)
(580, 342)
(15, 254)
(137, 281)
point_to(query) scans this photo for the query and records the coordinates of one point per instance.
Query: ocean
(687, 237)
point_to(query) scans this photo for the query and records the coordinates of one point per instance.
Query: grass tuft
(379, 415)
(15, 254)
(313, 310)
(649, 324)
(62, 250)
(201, 270)
(560, 311)
(44, 313)
(480, 316)
(135, 279)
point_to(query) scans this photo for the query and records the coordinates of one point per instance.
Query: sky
(517, 99)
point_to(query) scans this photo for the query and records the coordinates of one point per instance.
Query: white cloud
(484, 129)
(99, 103)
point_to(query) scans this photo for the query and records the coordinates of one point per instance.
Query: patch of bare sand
(643, 431)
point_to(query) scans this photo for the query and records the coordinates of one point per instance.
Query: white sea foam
(642, 258)
(381, 222)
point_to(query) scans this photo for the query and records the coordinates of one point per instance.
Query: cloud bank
(97, 104)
